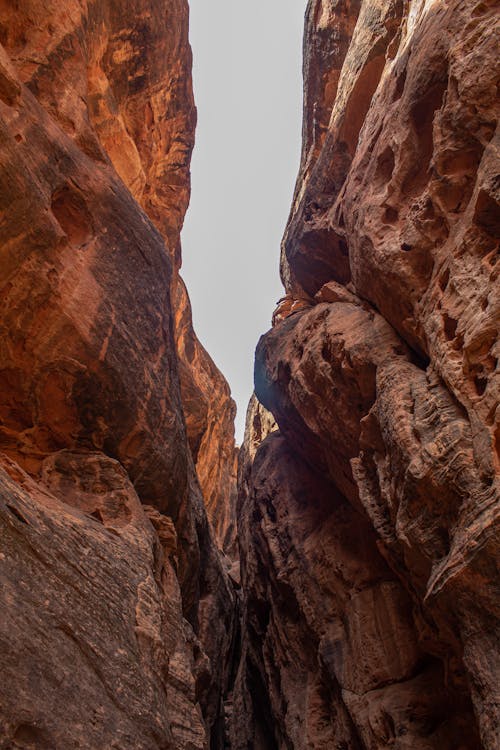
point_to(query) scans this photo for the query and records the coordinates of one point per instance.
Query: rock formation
(210, 413)
(368, 523)
(367, 615)
(117, 613)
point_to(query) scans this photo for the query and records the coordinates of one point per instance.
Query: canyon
(333, 583)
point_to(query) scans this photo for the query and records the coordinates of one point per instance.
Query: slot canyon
(332, 583)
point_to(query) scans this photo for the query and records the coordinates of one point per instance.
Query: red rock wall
(117, 614)
(369, 523)
(210, 413)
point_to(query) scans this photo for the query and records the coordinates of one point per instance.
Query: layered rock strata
(117, 613)
(369, 523)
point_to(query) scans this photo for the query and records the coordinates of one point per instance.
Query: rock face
(210, 413)
(117, 613)
(369, 523)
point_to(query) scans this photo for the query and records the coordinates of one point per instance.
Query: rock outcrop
(117, 613)
(369, 522)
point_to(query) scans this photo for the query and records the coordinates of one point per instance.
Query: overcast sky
(247, 70)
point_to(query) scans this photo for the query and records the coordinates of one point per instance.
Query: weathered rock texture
(369, 523)
(117, 613)
(210, 413)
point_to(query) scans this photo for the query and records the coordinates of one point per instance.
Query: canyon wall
(368, 522)
(117, 612)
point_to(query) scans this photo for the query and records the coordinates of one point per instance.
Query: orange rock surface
(117, 613)
(369, 523)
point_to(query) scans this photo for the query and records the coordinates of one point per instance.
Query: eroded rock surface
(210, 413)
(117, 612)
(95, 651)
(369, 523)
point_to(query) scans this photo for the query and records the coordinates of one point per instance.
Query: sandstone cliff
(369, 522)
(117, 614)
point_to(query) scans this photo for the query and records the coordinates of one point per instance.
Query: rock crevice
(335, 585)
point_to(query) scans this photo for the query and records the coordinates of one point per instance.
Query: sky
(247, 77)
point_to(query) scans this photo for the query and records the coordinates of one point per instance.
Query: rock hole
(480, 383)
(492, 261)
(450, 326)
(287, 601)
(480, 9)
(19, 137)
(261, 708)
(385, 165)
(321, 256)
(30, 736)
(15, 512)
(487, 214)
(443, 536)
(389, 726)
(390, 215)
(360, 100)
(484, 304)
(422, 121)
(399, 350)
(256, 517)
(443, 280)
(97, 515)
(70, 210)
(406, 247)
(149, 117)
(458, 170)
(399, 87)
(259, 614)
(420, 359)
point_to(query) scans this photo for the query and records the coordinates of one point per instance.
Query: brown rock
(122, 91)
(102, 607)
(333, 653)
(335, 292)
(94, 649)
(386, 396)
(210, 412)
(333, 349)
(287, 306)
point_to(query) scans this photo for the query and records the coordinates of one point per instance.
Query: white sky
(247, 70)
